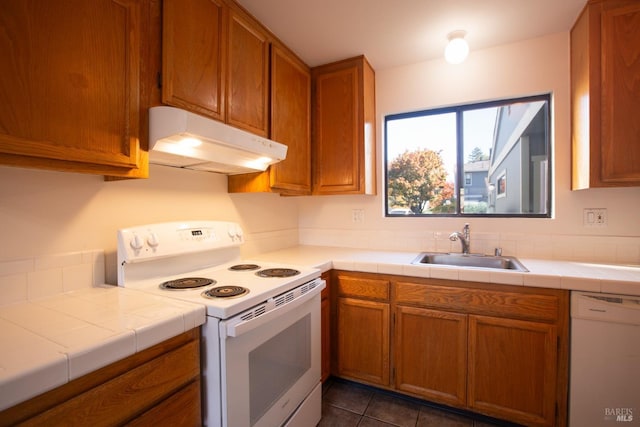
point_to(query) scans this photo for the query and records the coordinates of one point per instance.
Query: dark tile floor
(348, 404)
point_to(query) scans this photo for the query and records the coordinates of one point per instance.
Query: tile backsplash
(42, 276)
(600, 249)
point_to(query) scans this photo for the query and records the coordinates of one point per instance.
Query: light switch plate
(357, 216)
(594, 217)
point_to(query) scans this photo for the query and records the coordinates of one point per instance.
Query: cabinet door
(193, 38)
(344, 128)
(291, 121)
(363, 340)
(620, 84)
(430, 350)
(605, 95)
(512, 369)
(290, 125)
(72, 85)
(337, 131)
(248, 74)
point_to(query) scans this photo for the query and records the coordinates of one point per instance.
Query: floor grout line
(343, 396)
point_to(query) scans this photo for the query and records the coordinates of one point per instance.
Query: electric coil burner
(278, 272)
(187, 283)
(225, 292)
(244, 267)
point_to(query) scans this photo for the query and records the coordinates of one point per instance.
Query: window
(487, 159)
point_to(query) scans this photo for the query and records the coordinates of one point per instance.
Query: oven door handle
(233, 329)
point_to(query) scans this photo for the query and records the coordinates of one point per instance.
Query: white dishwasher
(605, 360)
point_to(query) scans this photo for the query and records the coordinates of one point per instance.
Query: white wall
(530, 67)
(43, 212)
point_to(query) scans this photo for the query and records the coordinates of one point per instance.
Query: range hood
(182, 139)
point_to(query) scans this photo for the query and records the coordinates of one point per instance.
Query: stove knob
(152, 240)
(235, 232)
(136, 243)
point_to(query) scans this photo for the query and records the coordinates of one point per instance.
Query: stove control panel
(197, 234)
(153, 241)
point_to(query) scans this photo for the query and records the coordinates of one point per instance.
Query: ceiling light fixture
(457, 49)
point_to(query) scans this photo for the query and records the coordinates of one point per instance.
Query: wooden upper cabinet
(194, 40)
(290, 125)
(291, 121)
(247, 73)
(72, 88)
(216, 63)
(343, 138)
(605, 95)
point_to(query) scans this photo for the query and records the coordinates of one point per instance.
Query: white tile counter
(50, 341)
(46, 342)
(592, 277)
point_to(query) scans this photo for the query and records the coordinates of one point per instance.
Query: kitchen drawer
(180, 409)
(363, 287)
(121, 391)
(502, 303)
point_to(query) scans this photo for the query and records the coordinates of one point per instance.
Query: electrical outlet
(357, 216)
(594, 217)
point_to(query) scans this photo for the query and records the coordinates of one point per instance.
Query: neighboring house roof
(479, 166)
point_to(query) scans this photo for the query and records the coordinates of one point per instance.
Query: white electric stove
(261, 341)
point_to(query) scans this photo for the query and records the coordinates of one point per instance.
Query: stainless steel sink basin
(472, 260)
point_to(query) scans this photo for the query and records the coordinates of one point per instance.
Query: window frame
(460, 174)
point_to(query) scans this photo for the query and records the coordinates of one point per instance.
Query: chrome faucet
(464, 237)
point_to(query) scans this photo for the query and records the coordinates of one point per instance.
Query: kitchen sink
(470, 260)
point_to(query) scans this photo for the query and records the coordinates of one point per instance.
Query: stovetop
(149, 255)
(259, 288)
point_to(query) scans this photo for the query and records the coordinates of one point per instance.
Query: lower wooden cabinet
(497, 350)
(513, 369)
(363, 329)
(181, 409)
(158, 386)
(363, 340)
(431, 354)
(325, 325)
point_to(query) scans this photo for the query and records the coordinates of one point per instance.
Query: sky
(438, 133)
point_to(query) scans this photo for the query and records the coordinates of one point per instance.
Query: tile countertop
(591, 277)
(50, 341)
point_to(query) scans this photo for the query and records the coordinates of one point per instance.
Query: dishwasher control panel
(606, 307)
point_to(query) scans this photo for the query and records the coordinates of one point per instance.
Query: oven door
(271, 362)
